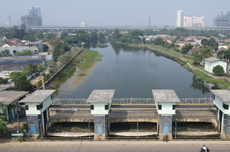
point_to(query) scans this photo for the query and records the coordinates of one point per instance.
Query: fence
(133, 101)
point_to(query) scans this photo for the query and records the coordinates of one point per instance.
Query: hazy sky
(112, 12)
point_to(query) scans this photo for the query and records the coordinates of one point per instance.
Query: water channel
(134, 73)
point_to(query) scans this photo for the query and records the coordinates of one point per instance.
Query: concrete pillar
(33, 121)
(100, 122)
(225, 129)
(165, 124)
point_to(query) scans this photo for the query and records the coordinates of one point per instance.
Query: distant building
(193, 21)
(222, 20)
(180, 18)
(34, 18)
(83, 24)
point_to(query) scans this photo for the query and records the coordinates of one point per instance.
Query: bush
(218, 70)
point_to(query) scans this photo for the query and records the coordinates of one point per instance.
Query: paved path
(115, 146)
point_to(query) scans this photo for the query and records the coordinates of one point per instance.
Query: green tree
(3, 127)
(3, 81)
(22, 84)
(101, 38)
(205, 42)
(45, 48)
(227, 54)
(25, 53)
(213, 44)
(93, 36)
(186, 48)
(158, 41)
(5, 53)
(218, 70)
(116, 35)
(15, 75)
(220, 54)
(71, 40)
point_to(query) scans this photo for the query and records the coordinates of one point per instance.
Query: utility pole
(18, 119)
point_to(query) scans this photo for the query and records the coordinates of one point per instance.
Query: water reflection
(204, 87)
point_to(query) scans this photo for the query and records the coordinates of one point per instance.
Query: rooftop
(165, 96)
(38, 96)
(101, 96)
(212, 59)
(8, 97)
(4, 87)
(224, 95)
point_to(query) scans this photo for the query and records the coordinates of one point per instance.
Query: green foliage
(25, 127)
(93, 36)
(102, 45)
(3, 81)
(186, 48)
(15, 75)
(220, 54)
(45, 48)
(227, 54)
(158, 41)
(89, 58)
(71, 40)
(218, 70)
(211, 43)
(20, 138)
(81, 74)
(22, 84)
(82, 36)
(32, 68)
(5, 53)
(101, 38)
(64, 58)
(115, 36)
(201, 54)
(25, 53)
(224, 84)
(3, 127)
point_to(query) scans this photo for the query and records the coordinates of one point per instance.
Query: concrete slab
(38, 96)
(66, 134)
(7, 97)
(98, 96)
(224, 95)
(165, 96)
(197, 133)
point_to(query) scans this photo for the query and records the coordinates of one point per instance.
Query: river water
(134, 73)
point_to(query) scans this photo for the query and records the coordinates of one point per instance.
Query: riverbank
(79, 69)
(186, 61)
(100, 45)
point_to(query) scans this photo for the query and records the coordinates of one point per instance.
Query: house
(9, 103)
(4, 87)
(212, 62)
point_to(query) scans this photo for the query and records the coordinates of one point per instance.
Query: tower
(180, 18)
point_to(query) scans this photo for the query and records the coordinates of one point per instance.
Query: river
(134, 73)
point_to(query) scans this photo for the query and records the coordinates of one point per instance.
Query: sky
(112, 12)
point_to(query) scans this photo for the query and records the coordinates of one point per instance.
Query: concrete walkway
(115, 143)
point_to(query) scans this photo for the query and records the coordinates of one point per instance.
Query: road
(115, 146)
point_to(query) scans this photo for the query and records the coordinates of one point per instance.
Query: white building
(180, 18)
(193, 21)
(212, 62)
(83, 24)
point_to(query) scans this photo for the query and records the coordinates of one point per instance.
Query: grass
(187, 67)
(82, 74)
(102, 45)
(222, 83)
(89, 55)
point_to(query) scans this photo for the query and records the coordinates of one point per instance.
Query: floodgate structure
(164, 115)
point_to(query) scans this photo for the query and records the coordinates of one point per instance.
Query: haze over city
(116, 13)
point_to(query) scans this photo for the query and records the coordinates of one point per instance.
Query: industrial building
(222, 20)
(34, 18)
